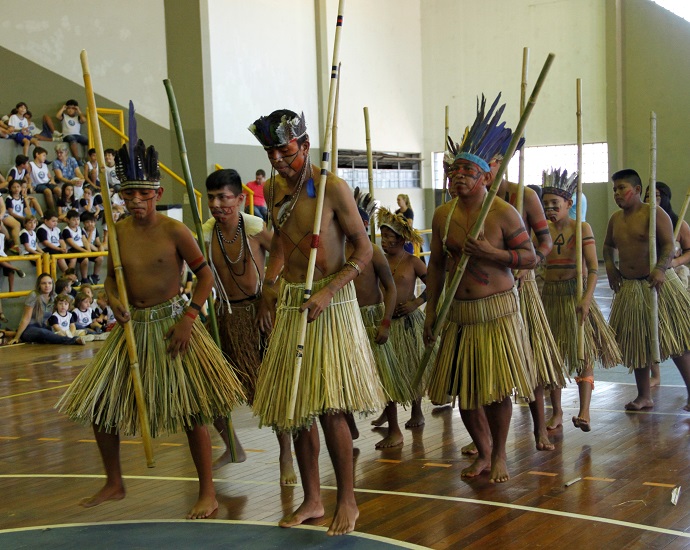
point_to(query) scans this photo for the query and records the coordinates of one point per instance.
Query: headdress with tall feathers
(136, 165)
(365, 204)
(487, 138)
(399, 224)
(279, 128)
(559, 183)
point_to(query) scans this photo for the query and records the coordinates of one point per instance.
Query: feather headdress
(559, 183)
(279, 128)
(136, 165)
(399, 224)
(486, 139)
(365, 204)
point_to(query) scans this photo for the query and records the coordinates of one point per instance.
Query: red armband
(386, 323)
(190, 314)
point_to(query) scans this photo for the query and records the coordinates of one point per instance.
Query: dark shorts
(19, 137)
(82, 140)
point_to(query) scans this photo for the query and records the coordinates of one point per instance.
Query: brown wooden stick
(334, 147)
(656, 353)
(520, 199)
(445, 148)
(370, 172)
(578, 222)
(114, 251)
(681, 216)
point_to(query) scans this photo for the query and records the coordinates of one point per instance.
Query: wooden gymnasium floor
(629, 465)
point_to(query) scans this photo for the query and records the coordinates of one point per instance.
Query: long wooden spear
(681, 216)
(334, 141)
(578, 221)
(184, 159)
(370, 172)
(114, 251)
(477, 227)
(654, 297)
(520, 199)
(445, 148)
(325, 158)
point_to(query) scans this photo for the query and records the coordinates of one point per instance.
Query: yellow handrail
(42, 260)
(68, 256)
(246, 189)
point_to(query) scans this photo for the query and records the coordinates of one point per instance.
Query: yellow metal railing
(124, 139)
(42, 266)
(246, 189)
(53, 259)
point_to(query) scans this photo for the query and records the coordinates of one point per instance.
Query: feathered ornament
(486, 139)
(279, 128)
(136, 165)
(366, 204)
(559, 183)
(399, 224)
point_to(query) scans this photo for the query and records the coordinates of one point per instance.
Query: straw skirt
(338, 373)
(407, 337)
(549, 368)
(242, 342)
(191, 389)
(396, 382)
(560, 301)
(484, 354)
(630, 320)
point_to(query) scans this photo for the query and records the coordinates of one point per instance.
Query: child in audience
(91, 203)
(19, 128)
(104, 314)
(12, 214)
(64, 286)
(41, 135)
(110, 175)
(72, 118)
(8, 269)
(84, 316)
(74, 239)
(67, 202)
(20, 170)
(41, 178)
(48, 236)
(91, 237)
(34, 207)
(28, 243)
(91, 168)
(62, 321)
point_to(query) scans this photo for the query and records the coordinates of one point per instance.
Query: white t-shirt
(18, 123)
(27, 238)
(111, 177)
(39, 174)
(63, 321)
(15, 205)
(82, 319)
(74, 234)
(70, 125)
(15, 174)
(45, 233)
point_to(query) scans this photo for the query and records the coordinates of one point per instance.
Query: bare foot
(354, 431)
(499, 471)
(654, 382)
(107, 492)
(203, 508)
(226, 458)
(305, 512)
(581, 423)
(638, 404)
(470, 449)
(287, 472)
(391, 440)
(476, 468)
(543, 443)
(417, 417)
(381, 420)
(655, 379)
(555, 422)
(344, 520)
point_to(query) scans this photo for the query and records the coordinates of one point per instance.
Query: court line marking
(652, 484)
(358, 534)
(34, 391)
(549, 474)
(464, 500)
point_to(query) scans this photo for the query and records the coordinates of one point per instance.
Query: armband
(195, 306)
(190, 314)
(514, 259)
(386, 323)
(198, 268)
(592, 271)
(354, 266)
(541, 255)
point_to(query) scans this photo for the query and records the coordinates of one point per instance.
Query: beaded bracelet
(355, 266)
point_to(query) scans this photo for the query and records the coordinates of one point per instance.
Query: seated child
(91, 203)
(48, 235)
(41, 178)
(62, 321)
(74, 239)
(67, 202)
(41, 135)
(19, 128)
(104, 314)
(64, 286)
(91, 170)
(92, 238)
(72, 118)
(28, 243)
(84, 316)
(110, 176)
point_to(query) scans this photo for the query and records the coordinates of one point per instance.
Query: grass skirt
(484, 354)
(630, 319)
(338, 371)
(407, 337)
(242, 342)
(560, 300)
(396, 382)
(191, 389)
(548, 364)
(684, 275)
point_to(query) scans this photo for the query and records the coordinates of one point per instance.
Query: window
(391, 170)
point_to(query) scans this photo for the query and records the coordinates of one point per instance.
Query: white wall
(125, 41)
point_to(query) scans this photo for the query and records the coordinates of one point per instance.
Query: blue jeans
(39, 335)
(261, 211)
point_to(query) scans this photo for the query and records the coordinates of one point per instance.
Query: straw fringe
(407, 337)
(630, 319)
(560, 301)
(484, 354)
(549, 368)
(338, 371)
(242, 342)
(684, 275)
(191, 389)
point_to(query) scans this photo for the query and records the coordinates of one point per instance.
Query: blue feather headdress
(559, 183)
(136, 165)
(279, 128)
(486, 139)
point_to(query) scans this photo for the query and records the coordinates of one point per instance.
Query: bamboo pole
(186, 171)
(656, 353)
(325, 157)
(114, 251)
(445, 148)
(520, 199)
(681, 216)
(334, 147)
(370, 172)
(477, 227)
(578, 222)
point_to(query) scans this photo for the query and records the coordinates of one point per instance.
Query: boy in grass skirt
(338, 374)
(484, 355)
(186, 380)
(631, 279)
(560, 298)
(237, 246)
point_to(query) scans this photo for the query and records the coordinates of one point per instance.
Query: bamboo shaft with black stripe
(578, 222)
(325, 159)
(654, 295)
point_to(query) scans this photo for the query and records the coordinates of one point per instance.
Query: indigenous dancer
(548, 364)
(338, 374)
(484, 354)
(628, 233)
(186, 380)
(377, 309)
(407, 328)
(560, 298)
(237, 246)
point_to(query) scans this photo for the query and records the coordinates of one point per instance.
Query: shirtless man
(337, 371)
(237, 246)
(483, 326)
(628, 233)
(170, 333)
